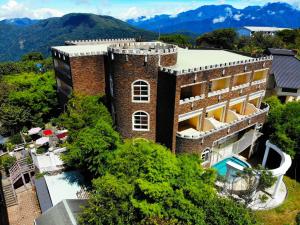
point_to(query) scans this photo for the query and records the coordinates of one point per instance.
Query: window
(140, 121)
(205, 155)
(140, 91)
(291, 90)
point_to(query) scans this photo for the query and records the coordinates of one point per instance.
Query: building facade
(248, 31)
(207, 102)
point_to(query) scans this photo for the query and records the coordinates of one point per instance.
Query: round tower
(133, 85)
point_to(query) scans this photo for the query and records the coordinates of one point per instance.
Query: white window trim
(148, 121)
(205, 152)
(132, 92)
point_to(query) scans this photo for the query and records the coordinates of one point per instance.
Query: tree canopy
(223, 38)
(283, 125)
(92, 137)
(178, 39)
(27, 99)
(144, 183)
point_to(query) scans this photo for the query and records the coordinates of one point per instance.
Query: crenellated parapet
(215, 66)
(142, 48)
(99, 41)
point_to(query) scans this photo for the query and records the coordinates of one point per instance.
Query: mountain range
(20, 36)
(210, 17)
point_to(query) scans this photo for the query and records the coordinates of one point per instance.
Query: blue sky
(122, 9)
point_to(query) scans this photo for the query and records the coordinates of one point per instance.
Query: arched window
(140, 121)
(140, 91)
(206, 155)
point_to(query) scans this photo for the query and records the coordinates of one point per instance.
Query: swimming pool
(221, 166)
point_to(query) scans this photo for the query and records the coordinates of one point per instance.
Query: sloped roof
(265, 29)
(64, 213)
(286, 68)
(280, 51)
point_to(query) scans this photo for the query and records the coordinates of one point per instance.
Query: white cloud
(228, 11)
(16, 9)
(220, 19)
(238, 16)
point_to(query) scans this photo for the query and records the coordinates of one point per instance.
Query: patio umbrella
(35, 130)
(42, 140)
(47, 132)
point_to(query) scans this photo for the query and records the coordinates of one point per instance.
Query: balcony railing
(200, 134)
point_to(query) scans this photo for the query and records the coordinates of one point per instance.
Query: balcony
(219, 86)
(212, 125)
(259, 76)
(241, 81)
(191, 93)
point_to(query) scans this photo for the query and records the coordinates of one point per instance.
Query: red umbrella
(47, 132)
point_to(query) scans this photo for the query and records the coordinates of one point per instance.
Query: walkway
(27, 209)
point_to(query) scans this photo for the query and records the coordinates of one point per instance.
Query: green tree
(178, 39)
(223, 38)
(31, 100)
(33, 56)
(91, 148)
(83, 111)
(283, 125)
(7, 162)
(145, 183)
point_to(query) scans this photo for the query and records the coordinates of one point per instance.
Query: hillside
(16, 40)
(211, 17)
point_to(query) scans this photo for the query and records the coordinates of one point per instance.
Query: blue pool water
(221, 166)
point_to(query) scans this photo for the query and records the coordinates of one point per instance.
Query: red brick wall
(88, 75)
(185, 79)
(125, 72)
(168, 59)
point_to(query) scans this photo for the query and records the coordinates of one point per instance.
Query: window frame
(206, 155)
(134, 124)
(140, 95)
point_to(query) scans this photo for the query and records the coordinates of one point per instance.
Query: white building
(250, 30)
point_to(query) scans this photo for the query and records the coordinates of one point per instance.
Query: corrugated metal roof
(265, 29)
(286, 69)
(279, 51)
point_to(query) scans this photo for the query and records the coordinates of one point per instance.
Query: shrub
(7, 162)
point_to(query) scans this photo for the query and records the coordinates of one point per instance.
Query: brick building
(207, 102)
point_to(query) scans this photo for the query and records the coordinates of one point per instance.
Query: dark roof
(286, 69)
(43, 194)
(64, 213)
(279, 51)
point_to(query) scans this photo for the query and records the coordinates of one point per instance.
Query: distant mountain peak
(210, 17)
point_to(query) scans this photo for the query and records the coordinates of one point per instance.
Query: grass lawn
(286, 213)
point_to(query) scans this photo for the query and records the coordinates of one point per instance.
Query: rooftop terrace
(188, 58)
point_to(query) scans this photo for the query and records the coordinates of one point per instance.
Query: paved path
(27, 209)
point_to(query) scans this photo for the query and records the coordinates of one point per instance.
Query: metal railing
(20, 168)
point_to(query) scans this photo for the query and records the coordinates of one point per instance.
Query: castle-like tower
(207, 102)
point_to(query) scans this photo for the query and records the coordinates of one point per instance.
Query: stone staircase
(9, 194)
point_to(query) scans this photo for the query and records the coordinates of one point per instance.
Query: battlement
(142, 48)
(215, 66)
(99, 41)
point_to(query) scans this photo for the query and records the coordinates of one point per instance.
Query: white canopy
(34, 130)
(42, 140)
